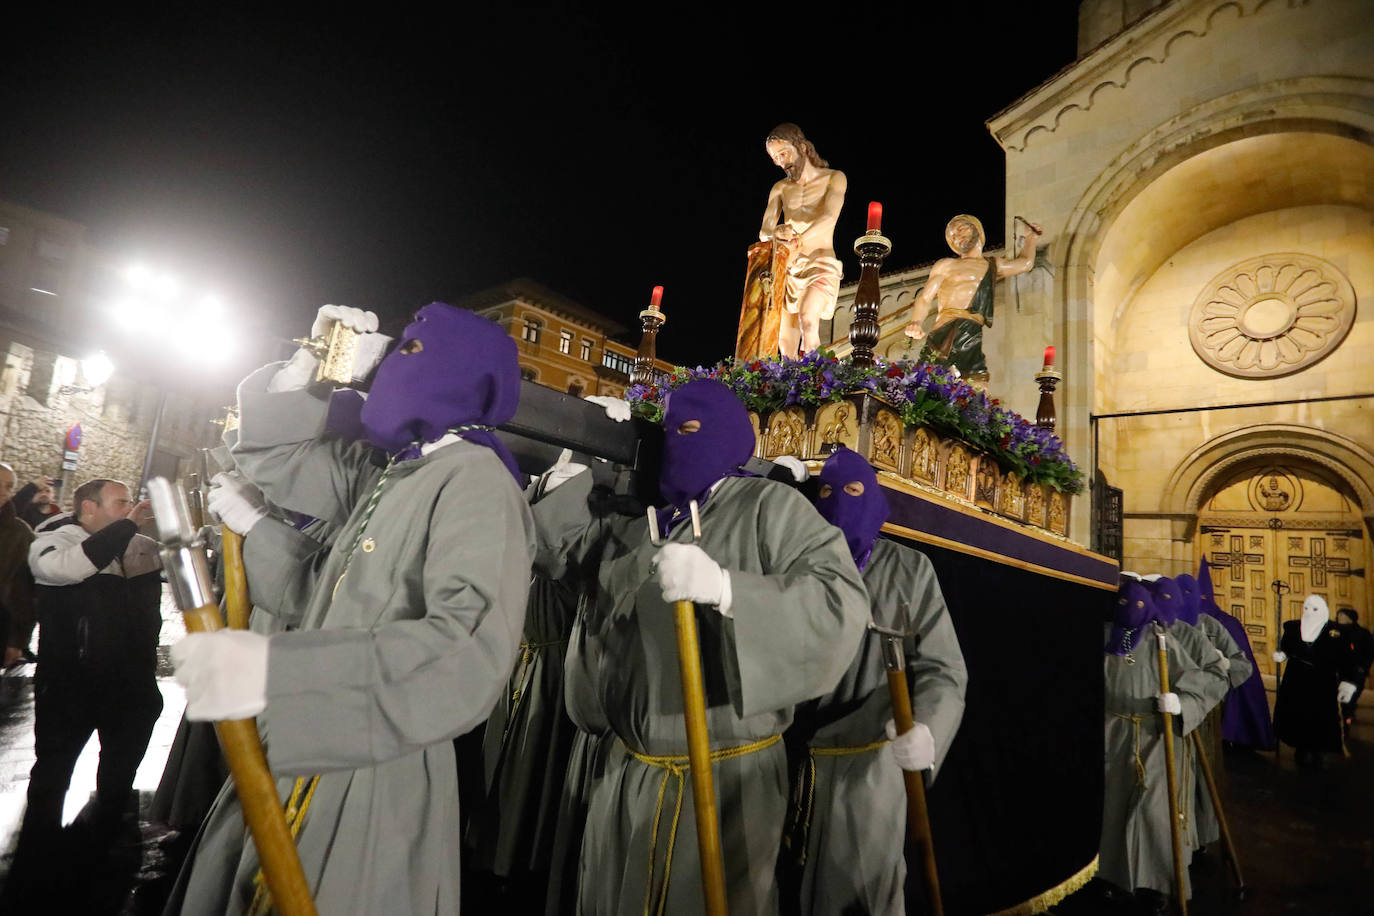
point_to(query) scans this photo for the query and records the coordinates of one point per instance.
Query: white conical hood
(1315, 615)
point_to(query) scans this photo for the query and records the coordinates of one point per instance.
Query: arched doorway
(1275, 529)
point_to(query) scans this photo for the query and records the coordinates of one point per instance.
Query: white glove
(913, 750)
(296, 374)
(237, 502)
(1225, 662)
(686, 573)
(799, 472)
(356, 319)
(1280, 657)
(224, 673)
(1168, 702)
(618, 409)
(1345, 691)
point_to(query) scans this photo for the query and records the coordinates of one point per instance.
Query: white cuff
(727, 598)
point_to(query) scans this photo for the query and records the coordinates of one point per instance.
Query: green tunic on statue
(408, 649)
(799, 609)
(959, 343)
(855, 823)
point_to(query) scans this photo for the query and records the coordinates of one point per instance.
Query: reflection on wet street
(16, 755)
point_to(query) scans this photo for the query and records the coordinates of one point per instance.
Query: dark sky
(385, 162)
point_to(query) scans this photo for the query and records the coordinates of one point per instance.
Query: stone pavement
(1305, 836)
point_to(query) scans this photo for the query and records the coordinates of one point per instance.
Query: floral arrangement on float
(917, 420)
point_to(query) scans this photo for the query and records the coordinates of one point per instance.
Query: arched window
(530, 333)
(529, 375)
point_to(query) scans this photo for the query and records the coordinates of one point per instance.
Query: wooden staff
(698, 742)
(236, 604)
(1175, 832)
(183, 559)
(1221, 815)
(917, 813)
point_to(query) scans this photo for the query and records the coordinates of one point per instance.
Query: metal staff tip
(183, 553)
(696, 521)
(654, 539)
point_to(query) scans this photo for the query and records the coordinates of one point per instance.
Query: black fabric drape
(1017, 809)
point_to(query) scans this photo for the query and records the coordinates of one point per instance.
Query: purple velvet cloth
(1245, 717)
(452, 368)
(859, 517)
(692, 462)
(1135, 609)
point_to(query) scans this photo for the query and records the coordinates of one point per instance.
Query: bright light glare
(211, 304)
(97, 369)
(137, 275)
(168, 285)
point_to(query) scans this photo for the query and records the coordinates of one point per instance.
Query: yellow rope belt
(527, 651)
(1139, 764)
(676, 766)
(296, 806)
(801, 816)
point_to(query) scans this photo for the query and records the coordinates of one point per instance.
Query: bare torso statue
(808, 201)
(962, 286)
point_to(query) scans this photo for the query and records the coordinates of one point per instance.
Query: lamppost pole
(152, 445)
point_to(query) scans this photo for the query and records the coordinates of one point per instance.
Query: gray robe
(1136, 847)
(799, 611)
(1206, 827)
(408, 649)
(857, 824)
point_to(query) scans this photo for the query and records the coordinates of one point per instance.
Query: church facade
(1204, 173)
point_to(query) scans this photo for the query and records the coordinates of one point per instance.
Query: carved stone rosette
(1272, 315)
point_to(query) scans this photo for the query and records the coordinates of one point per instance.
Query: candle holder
(652, 318)
(872, 248)
(1048, 378)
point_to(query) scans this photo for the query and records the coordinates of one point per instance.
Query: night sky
(289, 162)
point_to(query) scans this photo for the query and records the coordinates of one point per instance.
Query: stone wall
(116, 421)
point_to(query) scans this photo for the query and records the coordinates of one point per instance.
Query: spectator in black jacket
(16, 583)
(98, 588)
(1360, 648)
(36, 502)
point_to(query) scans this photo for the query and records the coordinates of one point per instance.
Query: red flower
(755, 366)
(894, 372)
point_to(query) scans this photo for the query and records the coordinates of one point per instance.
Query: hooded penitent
(859, 517)
(453, 371)
(1168, 600)
(1315, 615)
(693, 461)
(1192, 601)
(1134, 610)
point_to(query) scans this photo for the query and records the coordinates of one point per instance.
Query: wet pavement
(1305, 836)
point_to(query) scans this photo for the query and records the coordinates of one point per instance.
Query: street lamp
(158, 309)
(95, 371)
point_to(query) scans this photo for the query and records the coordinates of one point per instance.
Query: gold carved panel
(1035, 504)
(837, 424)
(786, 433)
(959, 472)
(1272, 315)
(758, 437)
(985, 483)
(925, 456)
(1059, 513)
(1012, 499)
(885, 446)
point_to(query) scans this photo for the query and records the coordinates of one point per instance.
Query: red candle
(656, 298)
(1049, 357)
(875, 216)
